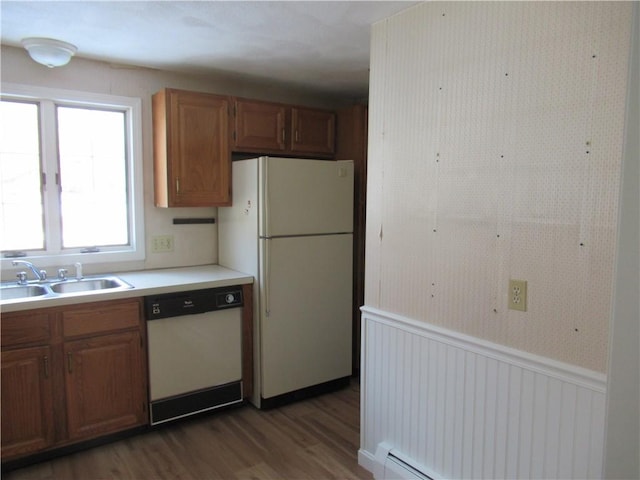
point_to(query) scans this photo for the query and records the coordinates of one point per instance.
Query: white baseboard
(367, 460)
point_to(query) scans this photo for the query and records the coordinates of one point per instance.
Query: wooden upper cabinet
(274, 128)
(259, 126)
(192, 158)
(312, 131)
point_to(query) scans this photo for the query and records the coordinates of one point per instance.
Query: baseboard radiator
(438, 404)
(393, 465)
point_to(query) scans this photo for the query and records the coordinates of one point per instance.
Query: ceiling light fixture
(49, 52)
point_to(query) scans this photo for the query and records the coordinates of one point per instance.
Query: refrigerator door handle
(264, 196)
(266, 280)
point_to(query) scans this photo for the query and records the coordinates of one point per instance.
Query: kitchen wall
(496, 140)
(494, 154)
(193, 244)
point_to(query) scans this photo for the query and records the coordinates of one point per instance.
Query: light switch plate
(518, 295)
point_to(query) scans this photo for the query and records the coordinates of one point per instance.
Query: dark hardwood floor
(312, 439)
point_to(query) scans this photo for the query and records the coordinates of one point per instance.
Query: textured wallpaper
(495, 144)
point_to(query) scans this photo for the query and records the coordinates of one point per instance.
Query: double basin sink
(55, 288)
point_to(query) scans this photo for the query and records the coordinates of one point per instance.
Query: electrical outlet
(161, 243)
(518, 295)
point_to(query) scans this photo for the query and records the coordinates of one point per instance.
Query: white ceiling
(322, 46)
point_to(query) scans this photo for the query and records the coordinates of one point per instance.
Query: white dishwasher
(195, 351)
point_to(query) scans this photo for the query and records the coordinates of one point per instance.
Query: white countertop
(147, 282)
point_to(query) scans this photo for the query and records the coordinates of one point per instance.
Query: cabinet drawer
(23, 328)
(100, 317)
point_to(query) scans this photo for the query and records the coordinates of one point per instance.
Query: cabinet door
(313, 131)
(27, 401)
(191, 149)
(259, 127)
(105, 387)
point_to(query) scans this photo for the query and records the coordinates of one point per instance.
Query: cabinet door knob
(177, 184)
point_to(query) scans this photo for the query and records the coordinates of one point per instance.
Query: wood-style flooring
(316, 438)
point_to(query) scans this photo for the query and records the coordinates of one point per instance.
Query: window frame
(48, 99)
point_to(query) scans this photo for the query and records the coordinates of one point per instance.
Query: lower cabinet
(103, 384)
(27, 401)
(71, 374)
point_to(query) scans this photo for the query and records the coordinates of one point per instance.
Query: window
(71, 177)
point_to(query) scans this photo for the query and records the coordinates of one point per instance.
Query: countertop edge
(144, 282)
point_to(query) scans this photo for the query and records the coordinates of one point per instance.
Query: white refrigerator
(291, 227)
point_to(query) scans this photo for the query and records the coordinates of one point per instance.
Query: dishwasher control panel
(192, 302)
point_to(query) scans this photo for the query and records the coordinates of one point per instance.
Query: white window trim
(134, 252)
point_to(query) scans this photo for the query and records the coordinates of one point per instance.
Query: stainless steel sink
(11, 292)
(89, 285)
(14, 291)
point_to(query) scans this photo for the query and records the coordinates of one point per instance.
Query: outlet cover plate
(161, 243)
(518, 295)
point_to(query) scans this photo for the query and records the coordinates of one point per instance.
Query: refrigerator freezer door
(305, 317)
(305, 197)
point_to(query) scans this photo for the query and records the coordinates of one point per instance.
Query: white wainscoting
(467, 408)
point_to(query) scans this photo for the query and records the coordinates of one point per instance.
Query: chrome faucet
(41, 275)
